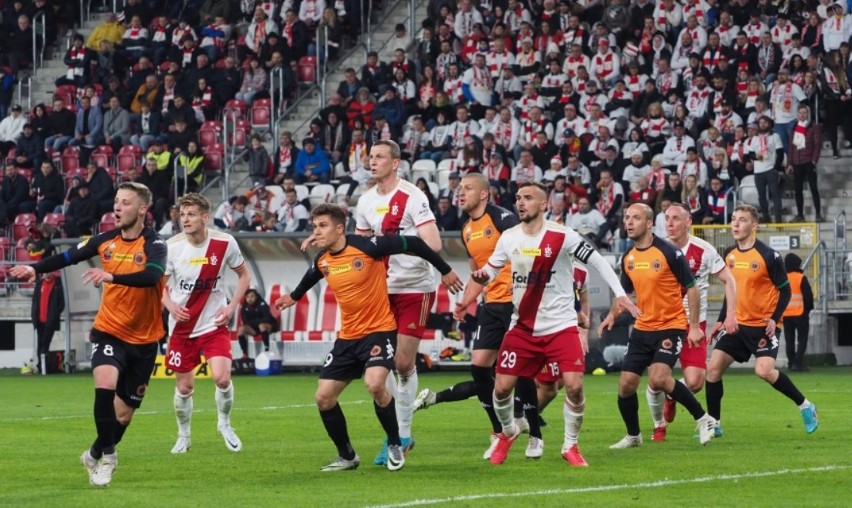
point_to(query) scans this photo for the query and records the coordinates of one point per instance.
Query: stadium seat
(307, 70)
(209, 133)
(236, 105)
(424, 168)
(57, 220)
(433, 188)
(261, 114)
(447, 165)
(26, 173)
(747, 191)
(302, 192)
(102, 156)
(77, 173)
(321, 193)
(70, 159)
(107, 222)
(442, 178)
(22, 224)
(130, 156)
(301, 319)
(4, 276)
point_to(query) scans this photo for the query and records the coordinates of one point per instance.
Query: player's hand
(460, 311)
(480, 277)
(715, 331)
(770, 328)
(25, 272)
(96, 277)
(730, 323)
(307, 242)
(584, 340)
(284, 301)
(695, 336)
(179, 312)
(606, 324)
(624, 303)
(582, 320)
(224, 316)
(453, 282)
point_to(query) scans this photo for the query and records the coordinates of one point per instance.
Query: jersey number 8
(107, 350)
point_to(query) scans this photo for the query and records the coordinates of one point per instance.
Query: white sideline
(171, 412)
(607, 488)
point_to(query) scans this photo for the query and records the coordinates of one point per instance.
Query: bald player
(657, 272)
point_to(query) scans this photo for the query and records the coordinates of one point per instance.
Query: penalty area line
(609, 488)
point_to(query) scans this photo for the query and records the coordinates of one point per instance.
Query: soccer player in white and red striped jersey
(703, 260)
(544, 322)
(199, 314)
(397, 207)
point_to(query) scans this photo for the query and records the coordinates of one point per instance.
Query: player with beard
(128, 324)
(544, 322)
(480, 235)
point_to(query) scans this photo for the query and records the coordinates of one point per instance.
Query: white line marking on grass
(146, 413)
(608, 488)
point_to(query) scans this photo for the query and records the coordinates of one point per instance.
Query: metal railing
(226, 174)
(28, 81)
(840, 231)
(38, 53)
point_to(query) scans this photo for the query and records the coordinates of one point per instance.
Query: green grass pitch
(764, 459)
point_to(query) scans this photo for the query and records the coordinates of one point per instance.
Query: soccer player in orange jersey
(703, 260)
(657, 272)
(128, 325)
(354, 268)
(763, 293)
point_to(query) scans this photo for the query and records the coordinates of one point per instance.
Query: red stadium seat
(70, 159)
(261, 114)
(107, 222)
(209, 133)
(56, 220)
(236, 104)
(22, 224)
(298, 325)
(129, 156)
(307, 70)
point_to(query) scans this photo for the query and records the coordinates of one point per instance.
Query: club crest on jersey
(376, 351)
(666, 344)
(358, 264)
(141, 389)
(107, 255)
(323, 266)
(656, 265)
(395, 210)
(214, 260)
(692, 263)
(762, 343)
(755, 266)
(548, 251)
(488, 231)
(630, 264)
(139, 258)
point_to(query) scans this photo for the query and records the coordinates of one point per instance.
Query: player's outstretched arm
(309, 280)
(621, 302)
(390, 245)
(80, 252)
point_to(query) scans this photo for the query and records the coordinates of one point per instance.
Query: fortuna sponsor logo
(198, 261)
(382, 209)
(335, 270)
(199, 284)
(531, 252)
(475, 236)
(533, 278)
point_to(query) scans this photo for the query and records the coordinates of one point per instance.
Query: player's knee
(574, 391)
(376, 388)
(325, 401)
(658, 381)
(223, 381)
(185, 389)
(502, 389)
(695, 384)
(764, 371)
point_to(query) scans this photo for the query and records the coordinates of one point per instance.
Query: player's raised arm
(588, 255)
(84, 250)
(403, 244)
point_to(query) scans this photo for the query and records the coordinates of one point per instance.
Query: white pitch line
(146, 413)
(607, 488)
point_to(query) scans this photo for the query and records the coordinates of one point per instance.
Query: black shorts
(493, 320)
(349, 358)
(255, 325)
(748, 341)
(645, 348)
(135, 363)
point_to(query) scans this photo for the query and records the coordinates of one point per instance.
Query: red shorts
(411, 311)
(549, 374)
(523, 354)
(184, 354)
(695, 356)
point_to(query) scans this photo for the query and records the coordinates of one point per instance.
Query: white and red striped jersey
(399, 212)
(196, 273)
(783, 37)
(496, 62)
(542, 275)
(727, 34)
(703, 260)
(571, 63)
(755, 31)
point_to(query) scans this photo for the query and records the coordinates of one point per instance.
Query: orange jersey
(480, 236)
(658, 276)
(759, 272)
(130, 310)
(358, 277)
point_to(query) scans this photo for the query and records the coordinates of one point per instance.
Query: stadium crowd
(608, 103)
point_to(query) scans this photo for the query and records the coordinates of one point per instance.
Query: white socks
(655, 405)
(573, 416)
(224, 401)
(505, 411)
(183, 412)
(406, 391)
